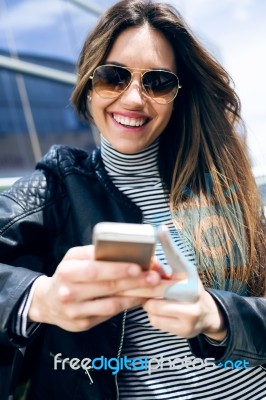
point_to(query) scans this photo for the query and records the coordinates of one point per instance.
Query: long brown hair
(213, 195)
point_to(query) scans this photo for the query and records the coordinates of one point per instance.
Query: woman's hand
(186, 319)
(181, 305)
(183, 318)
(83, 292)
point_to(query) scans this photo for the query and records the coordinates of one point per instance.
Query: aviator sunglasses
(110, 81)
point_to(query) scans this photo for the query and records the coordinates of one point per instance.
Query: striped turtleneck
(137, 176)
(180, 375)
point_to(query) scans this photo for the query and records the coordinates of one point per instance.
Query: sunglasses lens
(110, 81)
(162, 86)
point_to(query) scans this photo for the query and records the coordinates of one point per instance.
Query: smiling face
(132, 121)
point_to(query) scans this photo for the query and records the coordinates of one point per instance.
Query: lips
(130, 121)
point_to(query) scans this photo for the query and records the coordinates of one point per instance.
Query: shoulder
(46, 184)
(63, 160)
(31, 193)
(44, 192)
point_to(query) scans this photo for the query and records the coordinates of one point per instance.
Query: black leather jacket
(41, 218)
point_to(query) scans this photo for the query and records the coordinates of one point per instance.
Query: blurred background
(39, 45)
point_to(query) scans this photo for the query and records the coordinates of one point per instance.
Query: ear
(88, 103)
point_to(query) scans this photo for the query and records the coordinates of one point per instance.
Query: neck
(144, 163)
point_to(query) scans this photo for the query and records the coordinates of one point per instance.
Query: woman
(170, 154)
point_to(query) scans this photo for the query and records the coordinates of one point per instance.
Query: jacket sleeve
(246, 323)
(29, 220)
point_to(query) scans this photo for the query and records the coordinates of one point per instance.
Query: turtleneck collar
(144, 163)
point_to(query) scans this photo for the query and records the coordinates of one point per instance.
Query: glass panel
(48, 33)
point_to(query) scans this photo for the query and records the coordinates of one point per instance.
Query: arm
(67, 295)
(14, 282)
(27, 210)
(219, 324)
(245, 318)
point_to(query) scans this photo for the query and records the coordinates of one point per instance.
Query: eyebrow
(126, 66)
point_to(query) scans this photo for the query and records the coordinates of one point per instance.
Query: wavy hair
(203, 158)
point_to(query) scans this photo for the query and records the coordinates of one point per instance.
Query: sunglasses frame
(132, 71)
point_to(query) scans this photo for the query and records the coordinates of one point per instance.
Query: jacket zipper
(120, 349)
(86, 372)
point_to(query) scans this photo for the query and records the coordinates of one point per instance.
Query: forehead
(143, 47)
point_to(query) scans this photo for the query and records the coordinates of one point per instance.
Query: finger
(80, 324)
(106, 307)
(157, 291)
(173, 325)
(80, 253)
(163, 288)
(171, 309)
(84, 291)
(156, 266)
(90, 270)
(177, 326)
(167, 316)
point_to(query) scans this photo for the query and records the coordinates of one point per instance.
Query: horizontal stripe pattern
(137, 176)
(20, 324)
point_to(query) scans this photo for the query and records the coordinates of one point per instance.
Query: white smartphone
(117, 241)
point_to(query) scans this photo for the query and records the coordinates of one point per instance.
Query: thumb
(80, 253)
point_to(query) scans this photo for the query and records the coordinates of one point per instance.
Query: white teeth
(129, 121)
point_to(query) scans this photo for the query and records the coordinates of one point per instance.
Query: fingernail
(134, 270)
(151, 277)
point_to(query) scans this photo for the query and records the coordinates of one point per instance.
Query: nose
(134, 95)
